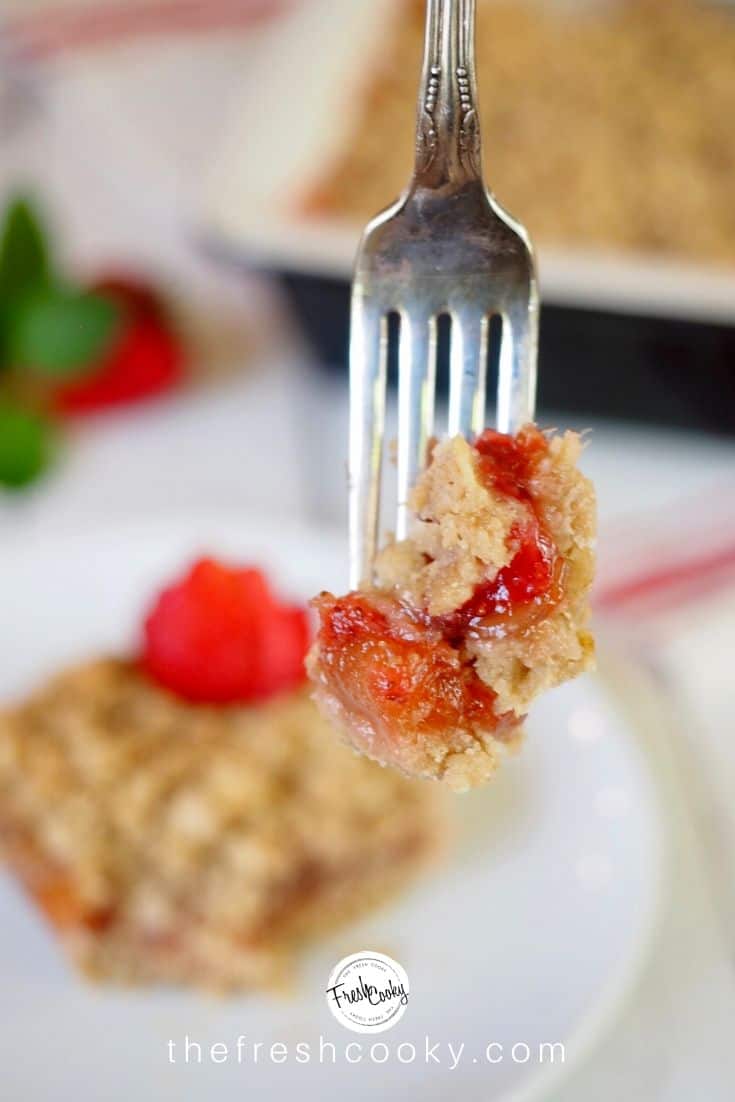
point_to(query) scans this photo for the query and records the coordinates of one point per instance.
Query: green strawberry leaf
(24, 256)
(60, 331)
(26, 446)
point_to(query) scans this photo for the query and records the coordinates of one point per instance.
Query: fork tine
(445, 244)
(416, 387)
(467, 374)
(517, 367)
(368, 366)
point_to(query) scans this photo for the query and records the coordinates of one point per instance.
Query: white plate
(300, 102)
(532, 932)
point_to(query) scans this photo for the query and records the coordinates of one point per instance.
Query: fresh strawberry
(146, 359)
(133, 295)
(220, 636)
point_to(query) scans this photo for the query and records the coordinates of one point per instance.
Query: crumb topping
(194, 843)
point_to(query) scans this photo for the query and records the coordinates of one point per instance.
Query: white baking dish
(299, 103)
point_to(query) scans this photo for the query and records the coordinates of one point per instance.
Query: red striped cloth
(78, 25)
(670, 586)
(654, 565)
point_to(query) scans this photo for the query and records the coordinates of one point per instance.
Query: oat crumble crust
(463, 526)
(460, 538)
(196, 845)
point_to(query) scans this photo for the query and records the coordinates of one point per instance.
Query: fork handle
(448, 147)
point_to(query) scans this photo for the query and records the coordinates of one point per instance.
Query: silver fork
(445, 247)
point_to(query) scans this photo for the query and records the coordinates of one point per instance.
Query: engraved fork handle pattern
(448, 135)
(446, 248)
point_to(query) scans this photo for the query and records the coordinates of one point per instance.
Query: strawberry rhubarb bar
(433, 667)
(200, 840)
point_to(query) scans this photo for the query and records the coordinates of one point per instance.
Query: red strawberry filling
(391, 666)
(401, 670)
(507, 462)
(531, 585)
(523, 592)
(221, 636)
